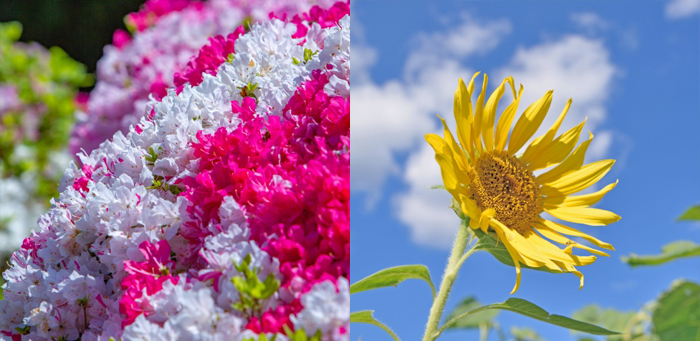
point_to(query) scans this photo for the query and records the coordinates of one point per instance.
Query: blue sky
(632, 68)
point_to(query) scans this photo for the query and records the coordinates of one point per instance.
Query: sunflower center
(503, 183)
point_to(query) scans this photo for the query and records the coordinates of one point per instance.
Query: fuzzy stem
(454, 263)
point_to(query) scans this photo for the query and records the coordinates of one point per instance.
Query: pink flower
(120, 38)
(149, 275)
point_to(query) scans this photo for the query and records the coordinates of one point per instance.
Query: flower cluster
(37, 92)
(222, 214)
(166, 33)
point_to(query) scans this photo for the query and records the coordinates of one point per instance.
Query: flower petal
(541, 143)
(555, 236)
(572, 163)
(457, 154)
(490, 115)
(529, 122)
(584, 215)
(500, 231)
(577, 180)
(448, 166)
(478, 117)
(506, 119)
(557, 150)
(463, 113)
(470, 209)
(573, 232)
(583, 200)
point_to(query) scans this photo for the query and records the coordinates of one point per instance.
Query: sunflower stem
(457, 257)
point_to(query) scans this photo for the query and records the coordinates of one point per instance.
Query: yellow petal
(557, 150)
(490, 115)
(577, 180)
(457, 154)
(548, 251)
(572, 269)
(556, 254)
(471, 84)
(506, 120)
(553, 129)
(448, 167)
(529, 122)
(485, 219)
(572, 163)
(513, 255)
(525, 248)
(541, 143)
(584, 215)
(463, 114)
(470, 209)
(583, 200)
(478, 117)
(570, 247)
(555, 236)
(574, 232)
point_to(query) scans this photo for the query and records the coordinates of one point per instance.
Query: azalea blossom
(222, 213)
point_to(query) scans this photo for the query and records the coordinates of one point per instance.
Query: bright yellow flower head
(496, 189)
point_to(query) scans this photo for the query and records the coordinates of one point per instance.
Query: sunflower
(499, 190)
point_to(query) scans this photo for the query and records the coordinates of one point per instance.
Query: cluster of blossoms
(37, 92)
(223, 213)
(166, 33)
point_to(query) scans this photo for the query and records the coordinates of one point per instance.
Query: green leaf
(677, 313)
(472, 320)
(365, 316)
(669, 252)
(10, 30)
(438, 187)
(488, 242)
(526, 308)
(692, 214)
(247, 22)
(309, 54)
(608, 318)
(525, 334)
(392, 277)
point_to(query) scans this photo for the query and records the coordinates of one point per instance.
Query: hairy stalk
(457, 257)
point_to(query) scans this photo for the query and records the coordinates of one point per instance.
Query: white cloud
(426, 211)
(590, 21)
(600, 146)
(682, 8)
(469, 38)
(574, 67)
(394, 116)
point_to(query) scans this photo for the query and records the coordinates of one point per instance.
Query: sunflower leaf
(525, 334)
(473, 320)
(490, 243)
(611, 319)
(438, 187)
(365, 316)
(676, 314)
(669, 252)
(392, 277)
(692, 214)
(526, 308)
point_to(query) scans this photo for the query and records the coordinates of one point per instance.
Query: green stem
(457, 257)
(483, 331)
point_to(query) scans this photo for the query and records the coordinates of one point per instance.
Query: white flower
(326, 308)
